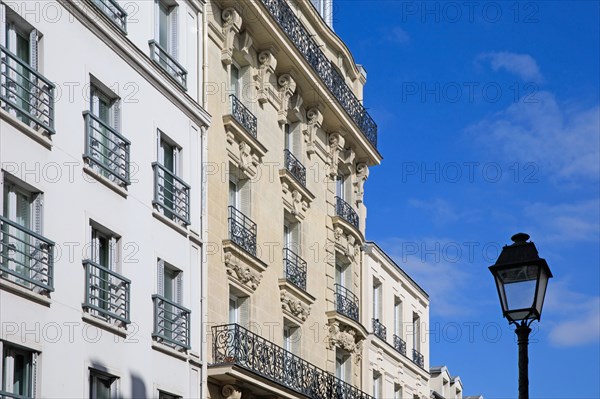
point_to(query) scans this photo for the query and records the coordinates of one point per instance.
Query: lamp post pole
(522, 332)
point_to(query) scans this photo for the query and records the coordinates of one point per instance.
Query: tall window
(398, 317)
(340, 186)
(341, 272)
(416, 332)
(173, 195)
(102, 385)
(291, 236)
(343, 365)
(234, 81)
(239, 193)
(397, 391)
(103, 289)
(287, 137)
(18, 371)
(377, 300)
(291, 338)
(377, 385)
(238, 309)
(167, 29)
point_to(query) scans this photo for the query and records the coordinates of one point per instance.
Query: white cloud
(522, 65)
(442, 212)
(398, 35)
(561, 140)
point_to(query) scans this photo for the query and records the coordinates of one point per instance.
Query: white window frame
(7, 367)
(95, 375)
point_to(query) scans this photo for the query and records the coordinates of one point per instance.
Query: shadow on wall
(138, 388)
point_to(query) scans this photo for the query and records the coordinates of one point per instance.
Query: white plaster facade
(55, 341)
(444, 385)
(397, 310)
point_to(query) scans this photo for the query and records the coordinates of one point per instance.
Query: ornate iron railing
(171, 194)
(106, 150)
(8, 395)
(25, 92)
(242, 230)
(346, 212)
(295, 167)
(107, 293)
(114, 12)
(303, 40)
(168, 63)
(171, 323)
(379, 329)
(346, 302)
(418, 358)
(294, 268)
(243, 115)
(26, 258)
(399, 345)
(234, 344)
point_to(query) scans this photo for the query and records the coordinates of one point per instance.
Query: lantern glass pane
(519, 286)
(541, 291)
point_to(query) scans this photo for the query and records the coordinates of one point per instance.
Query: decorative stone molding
(231, 392)
(294, 113)
(232, 23)
(244, 45)
(244, 274)
(314, 122)
(242, 155)
(344, 337)
(294, 306)
(296, 198)
(266, 70)
(347, 244)
(336, 145)
(362, 174)
(287, 88)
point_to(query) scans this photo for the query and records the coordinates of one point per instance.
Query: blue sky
(489, 125)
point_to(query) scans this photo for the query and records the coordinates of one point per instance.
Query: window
(172, 194)
(165, 395)
(234, 81)
(377, 385)
(239, 192)
(238, 309)
(340, 187)
(18, 370)
(377, 300)
(398, 316)
(169, 154)
(416, 332)
(102, 385)
(397, 391)
(341, 272)
(291, 338)
(170, 282)
(291, 236)
(287, 133)
(342, 365)
(166, 29)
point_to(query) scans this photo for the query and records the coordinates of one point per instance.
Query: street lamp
(521, 278)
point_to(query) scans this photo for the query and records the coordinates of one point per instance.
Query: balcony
(294, 268)
(379, 329)
(293, 165)
(107, 293)
(242, 230)
(106, 150)
(346, 302)
(171, 194)
(418, 358)
(168, 64)
(235, 345)
(399, 345)
(171, 323)
(243, 116)
(26, 258)
(307, 46)
(25, 93)
(346, 212)
(114, 12)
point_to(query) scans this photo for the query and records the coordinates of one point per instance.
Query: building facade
(290, 149)
(102, 223)
(444, 385)
(397, 345)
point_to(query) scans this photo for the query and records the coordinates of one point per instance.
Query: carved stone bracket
(296, 197)
(287, 88)
(242, 268)
(242, 273)
(346, 338)
(245, 151)
(362, 174)
(266, 75)
(336, 146)
(295, 302)
(314, 122)
(232, 23)
(231, 392)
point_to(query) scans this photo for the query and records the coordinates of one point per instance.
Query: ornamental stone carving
(246, 160)
(362, 174)
(294, 113)
(266, 69)
(314, 122)
(243, 274)
(344, 337)
(244, 45)
(352, 249)
(231, 392)
(287, 88)
(294, 306)
(232, 23)
(297, 206)
(336, 145)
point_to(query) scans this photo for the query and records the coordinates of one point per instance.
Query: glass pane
(102, 388)
(163, 28)
(519, 286)
(21, 374)
(169, 283)
(235, 78)
(22, 48)
(233, 310)
(23, 211)
(339, 189)
(233, 194)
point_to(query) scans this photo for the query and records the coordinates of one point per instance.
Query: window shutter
(161, 277)
(33, 49)
(244, 311)
(159, 153)
(115, 115)
(179, 288)
(177, 162)
(296, 336)
(156, 20)
(174, 33)
(297, 144)
(3, 25)
(34, 367)
(245, 198)
(296, 239)
(113, 260)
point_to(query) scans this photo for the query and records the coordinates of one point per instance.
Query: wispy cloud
(563, 140)
(522, 65)
(443, 212)
(398, 35)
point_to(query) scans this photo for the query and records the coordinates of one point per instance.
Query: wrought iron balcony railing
(171, 323)
(242, 230)
(25, 92)
(236, 345)
(114, 12)
(106, 150)
(346, 302)
(171, 194)
(243, 115)
(107, 293)
(399, 345)
(418, 358)
(307, 46)
(26, 258)
(379, 329)
(168, 63)
(295, 167)
(294, 268)
(346, 212)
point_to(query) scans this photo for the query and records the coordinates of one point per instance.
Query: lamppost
(521, 278)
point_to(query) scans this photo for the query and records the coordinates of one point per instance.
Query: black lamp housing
(521, 279)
